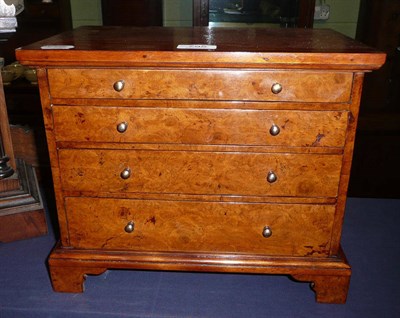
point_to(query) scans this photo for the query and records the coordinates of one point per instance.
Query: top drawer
(243, 85)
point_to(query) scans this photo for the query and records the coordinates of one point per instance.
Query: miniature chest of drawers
(229, 155)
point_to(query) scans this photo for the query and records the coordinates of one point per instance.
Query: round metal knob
(267, 232)
(274, 130)
(125, 174)
(119, 85)
(276, 88)
(130, 227)
(122, 127)
(272, 177)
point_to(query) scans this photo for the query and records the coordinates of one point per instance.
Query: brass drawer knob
(125, 174)
(122, 127)
(267, 232)
(272, 177)
(274, 130)
(130, 227)
(276, 88)
(119, 85)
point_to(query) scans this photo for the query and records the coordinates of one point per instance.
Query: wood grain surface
(200, 126)
(197, 151)
(236, 47)
(305, 86)
(297, 230)
(200, 172)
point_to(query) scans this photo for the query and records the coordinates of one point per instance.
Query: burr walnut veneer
(226, 159)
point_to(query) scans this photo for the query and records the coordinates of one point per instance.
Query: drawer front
(301, 86)
(194, 172)
(200, 126)
(298, 230)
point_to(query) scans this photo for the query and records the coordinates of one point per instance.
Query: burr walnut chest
(201, 149)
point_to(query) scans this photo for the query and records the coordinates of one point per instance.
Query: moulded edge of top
(203, 59)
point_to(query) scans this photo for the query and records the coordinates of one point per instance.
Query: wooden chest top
(155, 46)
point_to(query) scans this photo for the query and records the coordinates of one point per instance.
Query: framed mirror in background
(263, 13)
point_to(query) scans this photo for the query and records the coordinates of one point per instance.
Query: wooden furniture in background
(21, 210)
(135, 13)
(234, 159)
(38, 20)
(27, 129)
(7, 150)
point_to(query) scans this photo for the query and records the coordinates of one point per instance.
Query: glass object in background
(282, 13)
(254, 13)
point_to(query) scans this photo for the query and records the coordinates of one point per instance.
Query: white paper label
(57, 47)
(196, 47)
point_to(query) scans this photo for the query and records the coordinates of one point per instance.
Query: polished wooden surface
(191, 174)
(200, 126)
(68, 271)
(258, 48)
(205, 85)
(200, 226)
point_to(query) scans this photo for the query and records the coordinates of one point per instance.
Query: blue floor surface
(371, 240)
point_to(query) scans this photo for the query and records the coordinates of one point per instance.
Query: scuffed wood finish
(200, 172)
(297, 230)
(198, 150)
(201, 84)
(200, 126)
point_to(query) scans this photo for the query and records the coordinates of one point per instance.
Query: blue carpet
(371, 240)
